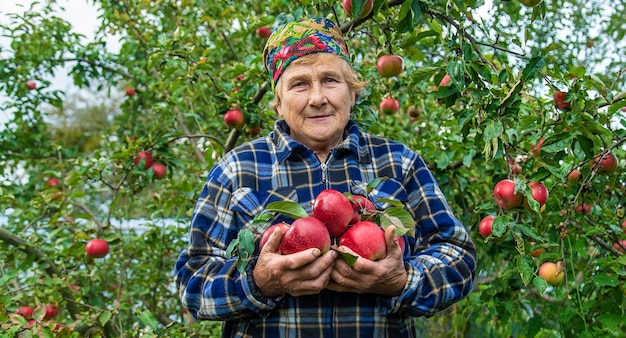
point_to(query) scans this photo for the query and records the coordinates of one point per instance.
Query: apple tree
(526, 91)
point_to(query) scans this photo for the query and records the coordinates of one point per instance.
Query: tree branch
(49, 267)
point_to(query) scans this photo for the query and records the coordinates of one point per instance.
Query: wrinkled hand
(386, 277)
(302, 273)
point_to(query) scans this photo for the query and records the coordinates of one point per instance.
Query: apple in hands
(362, 206)
(366, 239)
(334, 210)
(269, 231)
(305, 233)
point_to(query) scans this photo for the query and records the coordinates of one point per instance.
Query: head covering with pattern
(295, 39)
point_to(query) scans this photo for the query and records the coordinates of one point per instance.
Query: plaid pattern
(295, 39)
(440, 260)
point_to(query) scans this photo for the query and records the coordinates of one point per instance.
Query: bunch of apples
(343, 219)
(336, 219)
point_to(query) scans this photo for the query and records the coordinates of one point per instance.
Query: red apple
(516, 169)
(389, 65)
(389, 105)
(445, 80)
(367, 8)
(539, 192)
(305, 233)
(552, 273)
(484, 227)
(52, 183)
(30, 84)
(97, 248)
(263, 32)
(559, 100)
(159, 170)
(361, 206)
(605, 164)
(583, 208)
(537, 252)
(414, 112)
(366, 239)
(536, 150)
(25, 311)
(146, 158)
(334, 210)
(504, 193)
(130, 91)
(51, 311)
(234, 118)
(620, 246)
(269, 231)
(574, 176)
(624, 227)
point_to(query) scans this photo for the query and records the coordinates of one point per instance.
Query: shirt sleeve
(441, 267)
(209, 284)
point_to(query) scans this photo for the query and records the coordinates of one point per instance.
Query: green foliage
(190, 61)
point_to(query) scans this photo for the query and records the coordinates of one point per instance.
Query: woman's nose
(317, 95)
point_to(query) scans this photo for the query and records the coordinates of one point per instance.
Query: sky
(82, 15)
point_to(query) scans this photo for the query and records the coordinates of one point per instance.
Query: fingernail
(316, 252)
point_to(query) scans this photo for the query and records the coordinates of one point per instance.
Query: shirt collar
(353, 142)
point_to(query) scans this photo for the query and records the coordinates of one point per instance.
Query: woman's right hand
(302, 273)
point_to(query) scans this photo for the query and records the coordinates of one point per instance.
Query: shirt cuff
(261, 303)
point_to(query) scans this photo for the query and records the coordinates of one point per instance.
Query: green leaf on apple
(400, 218)
(371, 185)
(287, 208)
(392, 202)
(260, 219)
(349, 258)
(242, 247)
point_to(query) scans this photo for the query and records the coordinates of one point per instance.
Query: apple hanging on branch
(390, 65)
(506, 194)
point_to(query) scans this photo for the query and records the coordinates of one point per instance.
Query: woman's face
(315, 101)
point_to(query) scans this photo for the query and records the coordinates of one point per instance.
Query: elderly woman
(315, 146)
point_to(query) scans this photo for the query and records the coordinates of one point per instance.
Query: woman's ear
(278, 108)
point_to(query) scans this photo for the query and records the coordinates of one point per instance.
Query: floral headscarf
(295, 39)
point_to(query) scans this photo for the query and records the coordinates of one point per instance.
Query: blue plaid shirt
(440, 260)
